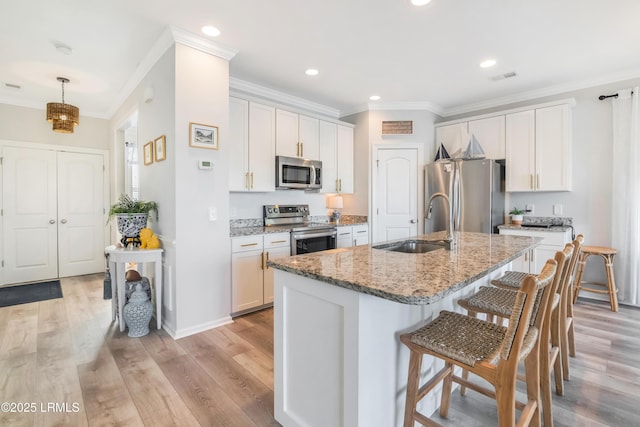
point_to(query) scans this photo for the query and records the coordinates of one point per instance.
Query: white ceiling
(425, 56)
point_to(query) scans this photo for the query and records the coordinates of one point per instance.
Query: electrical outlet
(557, 209)
(529, 209)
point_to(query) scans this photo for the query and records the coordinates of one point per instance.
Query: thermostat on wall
(206, 165)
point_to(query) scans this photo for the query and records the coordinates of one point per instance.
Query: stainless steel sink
(412, 246)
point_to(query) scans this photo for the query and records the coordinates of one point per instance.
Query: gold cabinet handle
(525, 256)
(538, 181)
(340, 189)
(298, 149)
(265, 264)
(531, 181)
(337, 185)
(244, 245)
(278, 241)
(302, 149)
(252, 180)
(262, 260)
(246, 180)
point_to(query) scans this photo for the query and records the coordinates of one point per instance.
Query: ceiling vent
(13, 86)
(504, 76)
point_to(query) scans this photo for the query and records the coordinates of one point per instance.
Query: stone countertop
(553, 228)
(408, 278)
(251, 231)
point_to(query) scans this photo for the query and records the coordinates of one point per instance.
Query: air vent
(13, 86)
(504, 76)
(397, 127)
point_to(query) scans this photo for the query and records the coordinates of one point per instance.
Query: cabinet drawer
(360, 230)
(246, 243)
(344, 232)
(276, 240)
(549, 237)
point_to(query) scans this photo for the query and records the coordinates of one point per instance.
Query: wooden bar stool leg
(415, 364)
(613, 291)
(576, 284)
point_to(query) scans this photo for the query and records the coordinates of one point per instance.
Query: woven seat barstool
(499, 302)
(607, 255)
(490, 351)
(513, 279)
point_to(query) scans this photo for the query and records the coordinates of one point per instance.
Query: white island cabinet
(338, 314)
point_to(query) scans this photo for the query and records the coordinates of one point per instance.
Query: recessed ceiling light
(420, 2)
(374, 97)
(488, 63)
(211, 31)
(311, 72)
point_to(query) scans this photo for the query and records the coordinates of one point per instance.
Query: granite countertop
(410, 278)
(554, 228)
(254, 230)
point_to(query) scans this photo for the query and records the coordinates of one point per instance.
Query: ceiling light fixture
(63, 116)
(488, 63)
(420, 2)
(211, 31)
(374, 97)
(311, 72)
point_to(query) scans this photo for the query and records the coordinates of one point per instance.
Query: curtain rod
(603, 97)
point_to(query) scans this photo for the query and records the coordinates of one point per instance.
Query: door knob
(64, 221)
(52, 221)
(413, 221)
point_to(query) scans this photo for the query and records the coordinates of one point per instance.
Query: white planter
(516, 219)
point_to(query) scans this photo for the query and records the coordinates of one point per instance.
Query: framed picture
(159, 147)
(203, 136)
(148, 153)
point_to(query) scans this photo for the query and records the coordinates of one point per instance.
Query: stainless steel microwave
(301, 174)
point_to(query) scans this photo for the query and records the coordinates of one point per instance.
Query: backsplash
(259, 222)
(555, 220)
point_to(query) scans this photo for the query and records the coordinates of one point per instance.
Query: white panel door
(239, 144)
(345, 159)
(490, 133)
(553, 148)
(247, 288)
(80, 214)
(29, 217)
(396, 192)
(329, 157)
(520, 151)
(287, 142)
(309, 135)
(454, 137)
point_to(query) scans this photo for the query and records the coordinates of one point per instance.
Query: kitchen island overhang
(339, 313)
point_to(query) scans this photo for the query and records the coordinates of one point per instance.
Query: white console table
(118, 259)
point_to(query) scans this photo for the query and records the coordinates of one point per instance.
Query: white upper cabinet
(490, 133)
(345, 159)
(252, 153)
(297, 135)
(538, 149)
(454, 137)
(336, 154)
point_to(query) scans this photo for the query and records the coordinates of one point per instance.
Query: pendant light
(63, 116)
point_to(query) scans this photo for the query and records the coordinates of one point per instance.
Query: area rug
(22, 294)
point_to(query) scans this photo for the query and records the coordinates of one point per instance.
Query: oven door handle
(300, 236)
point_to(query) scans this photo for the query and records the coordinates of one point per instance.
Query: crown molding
(200, 43)
(541, 93)
(167, 39)
(244, 87)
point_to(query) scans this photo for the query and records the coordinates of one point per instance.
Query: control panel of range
(285, 214)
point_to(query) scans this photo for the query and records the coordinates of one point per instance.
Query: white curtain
(626, 195)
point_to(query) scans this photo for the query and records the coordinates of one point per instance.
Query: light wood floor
(67, 352)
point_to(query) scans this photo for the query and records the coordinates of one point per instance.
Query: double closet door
(53, 219)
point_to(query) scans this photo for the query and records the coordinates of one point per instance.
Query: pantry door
(395, 192)
(30, 223)
(53, 214)
(80, 214)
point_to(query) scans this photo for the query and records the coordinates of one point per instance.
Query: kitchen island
(338, 315)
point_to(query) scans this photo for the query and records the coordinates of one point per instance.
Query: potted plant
(131, 216)
(516, 216)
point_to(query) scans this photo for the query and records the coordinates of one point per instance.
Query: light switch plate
(557, 209)
(213, 213)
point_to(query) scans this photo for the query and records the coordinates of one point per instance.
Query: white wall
(30, 124)
(203, 248)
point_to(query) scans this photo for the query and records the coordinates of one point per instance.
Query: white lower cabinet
(352, 236)
(534, 260)
(251, 279)
(345, 237)
(360, 234)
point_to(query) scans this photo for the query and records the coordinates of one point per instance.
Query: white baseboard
(181, 333)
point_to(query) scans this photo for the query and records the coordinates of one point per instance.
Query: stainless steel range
(306, 236)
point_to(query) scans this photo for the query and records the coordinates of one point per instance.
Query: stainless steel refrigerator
(475, 189)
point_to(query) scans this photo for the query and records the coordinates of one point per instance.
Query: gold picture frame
(159, 149)
(147, 151)
(203, 136)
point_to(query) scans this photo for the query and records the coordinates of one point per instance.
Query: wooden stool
(607, 255)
